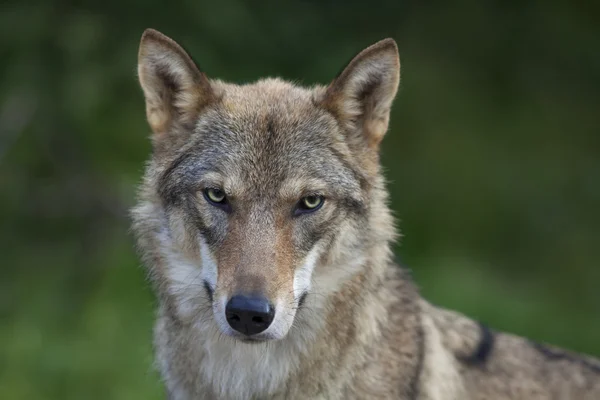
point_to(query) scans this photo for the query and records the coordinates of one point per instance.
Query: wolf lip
(252, 341)
(302, 299)
(209, 290)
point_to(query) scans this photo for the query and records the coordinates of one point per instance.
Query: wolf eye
(309, 204)
(215, 196)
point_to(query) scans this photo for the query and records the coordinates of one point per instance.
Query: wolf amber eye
(215, 196)
(309, 204)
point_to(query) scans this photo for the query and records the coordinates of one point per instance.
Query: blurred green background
(493, 160)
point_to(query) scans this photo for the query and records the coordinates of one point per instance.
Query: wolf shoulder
(497, 365)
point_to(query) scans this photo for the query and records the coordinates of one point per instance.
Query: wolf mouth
(252, 341)
(302, 299)
(209, 290)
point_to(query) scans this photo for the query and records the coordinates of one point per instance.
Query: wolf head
(261, 200)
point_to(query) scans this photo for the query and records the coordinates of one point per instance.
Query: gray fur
(351, 325)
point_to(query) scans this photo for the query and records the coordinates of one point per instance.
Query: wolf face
(259, 197)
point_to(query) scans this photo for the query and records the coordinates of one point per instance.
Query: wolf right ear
(174, 88)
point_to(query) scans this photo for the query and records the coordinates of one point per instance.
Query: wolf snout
(249, 315)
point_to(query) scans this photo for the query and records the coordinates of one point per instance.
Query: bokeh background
(493, 159)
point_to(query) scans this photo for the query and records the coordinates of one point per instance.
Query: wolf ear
(174, 88)
(362, 94)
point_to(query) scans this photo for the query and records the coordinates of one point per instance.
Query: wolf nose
(249, 315)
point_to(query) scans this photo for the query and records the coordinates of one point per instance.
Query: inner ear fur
(175, 89)
(362, 94)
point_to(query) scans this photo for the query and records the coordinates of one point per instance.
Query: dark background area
(492, 160)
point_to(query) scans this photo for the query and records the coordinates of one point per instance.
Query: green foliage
(492, 160)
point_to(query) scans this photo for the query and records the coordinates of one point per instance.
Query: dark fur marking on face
(209, 290)
(354, 206)
(194, 219)
(169, 193)
(484, 348)
(558, 355)
(302, 299)
(175, 193)
(315, 234)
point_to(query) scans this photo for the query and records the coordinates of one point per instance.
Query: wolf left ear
(362, 95)
(174, 88)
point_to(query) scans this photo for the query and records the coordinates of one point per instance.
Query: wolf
(264, 225)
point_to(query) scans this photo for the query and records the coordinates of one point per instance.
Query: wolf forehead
(277, 132)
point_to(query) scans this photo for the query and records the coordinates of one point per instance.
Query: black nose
(249, 315)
